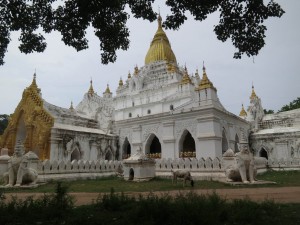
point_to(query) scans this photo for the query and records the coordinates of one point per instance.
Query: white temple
(160, 109)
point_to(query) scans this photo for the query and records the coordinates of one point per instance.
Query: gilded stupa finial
(33, 84)
(160, 48)
(253, 94)
(107, 90)
(136, 70)
(205, 82)
(71, 106)
(91, 89)
(120, 82)
(197, 74)
(186, 78)
(243, 112)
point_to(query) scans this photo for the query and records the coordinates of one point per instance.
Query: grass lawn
(282, 178)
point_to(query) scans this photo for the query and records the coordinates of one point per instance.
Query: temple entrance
(75, 155)
(126, 149)
(187, 146)
(263, 153)
(108, 155)
(224, 142)
(131, 174)
(153, 147)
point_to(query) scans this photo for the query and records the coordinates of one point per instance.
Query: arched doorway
(236, 141)
(224, 141)
(126, 149)
(131, 174)
(187, 146)
(263, 153)
(76, 155)
(108, 155)
(153, 147)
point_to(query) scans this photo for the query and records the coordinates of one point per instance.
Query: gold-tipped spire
(129, 75)
(253, 94)
(197, 74)
(33, 84)
(136, 70)
(243, 112)
(120, 82)
(160, 48)
(107, 90)
(91, 89)
(186, 78)
(205, 82)
(71, 107)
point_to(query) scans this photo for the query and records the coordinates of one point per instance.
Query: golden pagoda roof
(160, 47)
(243, 111)
(253, 94)
(186, 78)
(107, 90)
(120, 82)
(91, 89)
(205, 82)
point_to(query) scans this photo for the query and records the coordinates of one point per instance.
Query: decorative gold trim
(205, 82)
(243, 112)
(37, 124)
(186, 78)
(160, 47)
(107, 90)
(91, 89)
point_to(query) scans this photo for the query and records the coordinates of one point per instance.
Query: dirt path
(281, 194)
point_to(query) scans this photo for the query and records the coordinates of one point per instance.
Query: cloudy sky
(64, 74)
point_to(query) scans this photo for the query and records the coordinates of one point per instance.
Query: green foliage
(50, 209)
(268, 111)
(3, 122)
(240, 20)
(292, 105)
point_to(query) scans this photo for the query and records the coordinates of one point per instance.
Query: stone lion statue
(19, 170)
(243, 169)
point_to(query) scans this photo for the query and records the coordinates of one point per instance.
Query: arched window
(236, 142)
(129, 115)
(75, 154)
(149, 111)
(171, 107)
(224, 141)
(263, 153)
(153, 147)
(126, 149)
(187, 146)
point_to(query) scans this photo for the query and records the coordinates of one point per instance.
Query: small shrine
(139, 167)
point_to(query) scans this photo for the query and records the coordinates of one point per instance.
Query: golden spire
(205, 82)
(243, 112)
(107, 91)
(253, 94)
(120, 82)
(197, 74)
(34, 85)
(129, 75)
(91, 89)
(160, 48)
(136, 70)
(71, 107)
(186, 78)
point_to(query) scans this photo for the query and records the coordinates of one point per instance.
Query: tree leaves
(240, 20)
